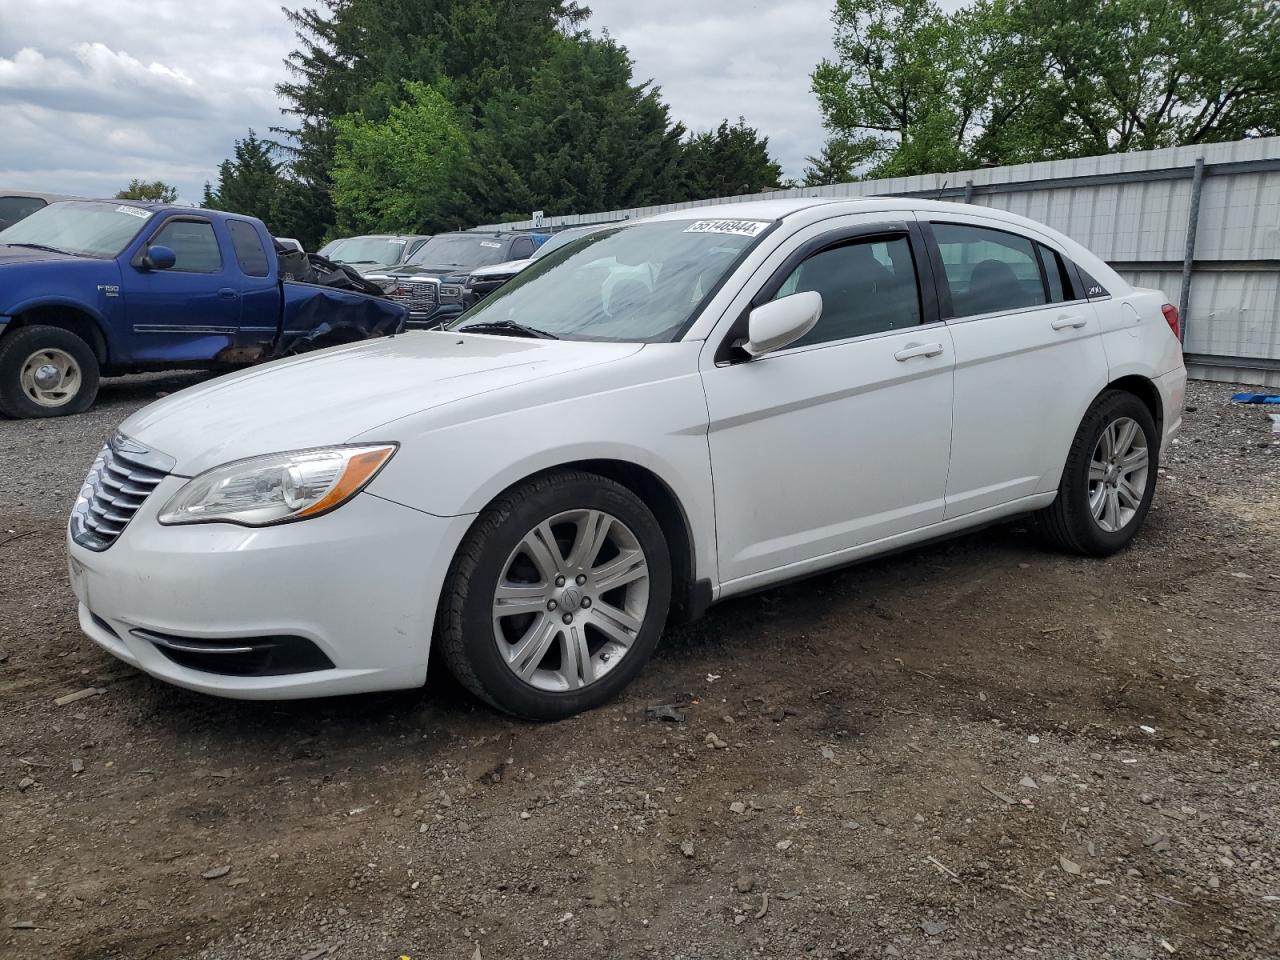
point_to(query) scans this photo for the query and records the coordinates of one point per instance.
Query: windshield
(642, 282)
(460, 251)
(559, 240)
(367, 250)
(87, 229)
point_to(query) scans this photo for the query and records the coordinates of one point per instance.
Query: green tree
(1010, 81)
(728, 161)
(1118, 75)
(580, 136)
(156, 190)
(247, 182)
(355, 56)
(839, 161)
(404, 172)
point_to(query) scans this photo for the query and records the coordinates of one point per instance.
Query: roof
(37, 195)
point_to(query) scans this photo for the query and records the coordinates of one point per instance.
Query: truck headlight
(278, 487)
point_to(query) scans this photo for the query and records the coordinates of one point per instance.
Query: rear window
(13, 209)
(250, 253)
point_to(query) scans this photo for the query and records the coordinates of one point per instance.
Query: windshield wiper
(37, 246)
(506, 326)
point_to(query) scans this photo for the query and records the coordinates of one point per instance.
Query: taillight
(1171, 317)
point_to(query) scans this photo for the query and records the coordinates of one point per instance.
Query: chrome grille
(419, 296)
(119, 482)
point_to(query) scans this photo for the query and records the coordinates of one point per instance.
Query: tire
(529, 661)
(1070, 523)
(27, 349)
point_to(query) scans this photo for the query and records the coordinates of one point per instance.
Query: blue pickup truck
(93, 287)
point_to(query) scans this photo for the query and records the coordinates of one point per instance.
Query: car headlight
(450, 291)
(278, 487)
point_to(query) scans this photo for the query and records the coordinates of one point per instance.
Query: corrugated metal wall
(1132, 210)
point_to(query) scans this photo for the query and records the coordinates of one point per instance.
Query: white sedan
(655, 417)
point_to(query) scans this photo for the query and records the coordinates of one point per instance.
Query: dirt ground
(977, 749)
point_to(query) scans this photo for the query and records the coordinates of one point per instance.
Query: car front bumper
(359, 584)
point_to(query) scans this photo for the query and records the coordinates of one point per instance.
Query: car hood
(424, 270)
(507, 268)
(333, 395)
(13, 254)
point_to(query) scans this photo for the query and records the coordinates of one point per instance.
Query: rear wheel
(557, 597)
(46, 372)
(1109, 478)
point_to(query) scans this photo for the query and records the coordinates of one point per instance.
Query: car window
(988, 270)
(250, 253)
(13, 209)
(1055, 272)
(194, 246)
(867, 286)
(522, 248)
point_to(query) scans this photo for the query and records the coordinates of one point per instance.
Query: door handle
(918, 350)
(227, 293)
(1076, 322)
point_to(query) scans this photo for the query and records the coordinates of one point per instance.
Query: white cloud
(721, 59)
(94, 94)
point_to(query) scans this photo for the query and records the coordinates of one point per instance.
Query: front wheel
(1109, 479)
(46, 372)
(557, 596)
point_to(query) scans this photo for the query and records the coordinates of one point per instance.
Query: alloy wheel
(571, 600)
(1118, 474)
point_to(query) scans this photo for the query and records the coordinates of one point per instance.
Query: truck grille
(119, 482)
(418, 296)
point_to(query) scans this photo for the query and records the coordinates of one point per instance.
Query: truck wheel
(46, 372)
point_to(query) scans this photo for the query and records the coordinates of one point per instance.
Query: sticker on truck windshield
(490, 243)
(133, 211)
(738, 228)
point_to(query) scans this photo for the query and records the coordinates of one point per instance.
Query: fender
(41, 302)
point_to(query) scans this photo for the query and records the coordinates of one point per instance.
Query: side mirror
(158, 258)
(774, 325)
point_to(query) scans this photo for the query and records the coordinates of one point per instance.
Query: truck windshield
(460, 251)
(84, 228)
(386, 250)
(638, 283)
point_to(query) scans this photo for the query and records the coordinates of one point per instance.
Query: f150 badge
(109, 289)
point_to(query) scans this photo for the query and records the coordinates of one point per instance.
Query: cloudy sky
(94, 93)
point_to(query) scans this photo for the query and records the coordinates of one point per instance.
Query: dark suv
(431, 282)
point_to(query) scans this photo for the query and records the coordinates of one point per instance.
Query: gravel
(989, 749)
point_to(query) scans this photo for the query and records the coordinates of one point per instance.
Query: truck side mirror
(159, 258)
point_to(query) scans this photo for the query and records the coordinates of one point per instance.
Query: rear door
(260, 299)
(190, 311)
(1028, 360)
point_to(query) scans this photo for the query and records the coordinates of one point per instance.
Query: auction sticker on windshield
(739, 228)
(133, 211)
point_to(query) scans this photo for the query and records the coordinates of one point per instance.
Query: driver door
(841, 439)
(190, 311)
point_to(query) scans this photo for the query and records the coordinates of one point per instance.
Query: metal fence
(1201, 223)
